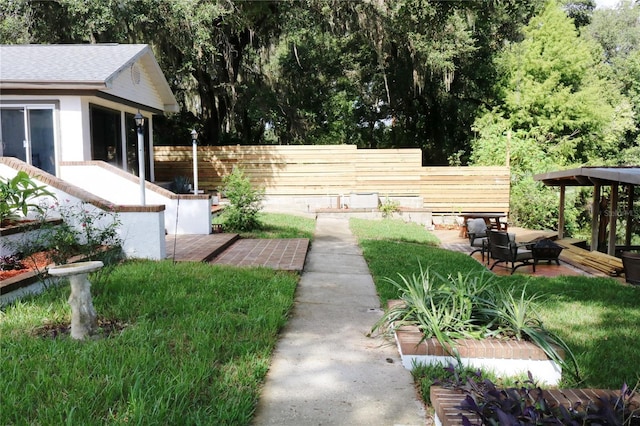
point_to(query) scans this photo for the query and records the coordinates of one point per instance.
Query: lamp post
(140, 129)
(194, 140)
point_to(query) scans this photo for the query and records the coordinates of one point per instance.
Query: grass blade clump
(517, 317)
(441, 307)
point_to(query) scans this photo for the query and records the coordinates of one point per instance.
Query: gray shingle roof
(79, 63)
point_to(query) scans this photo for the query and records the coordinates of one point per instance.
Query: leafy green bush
(472, 306)
(17, 196)
(244, 202)
(389, 207)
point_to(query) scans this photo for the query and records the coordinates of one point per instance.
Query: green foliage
(18, 196)
(244, 202)
(617, 32)
(471, 306)
(440, 307)
(86, 231)
(185, 343)
(555, 110)
(409, 73)
(14, 22)
(389, 207)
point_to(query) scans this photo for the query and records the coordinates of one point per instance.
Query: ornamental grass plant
(471, 306)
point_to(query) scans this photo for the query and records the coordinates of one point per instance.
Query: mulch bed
(37, 261)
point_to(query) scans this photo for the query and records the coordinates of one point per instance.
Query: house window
(106, 139)
(132, 146)
(106, 135)
(27, 133)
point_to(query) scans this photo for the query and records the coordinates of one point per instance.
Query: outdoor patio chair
(631, 264)
(503, 249)
(477, 233)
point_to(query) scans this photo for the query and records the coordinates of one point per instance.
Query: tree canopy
(555, 108)
(401, 73)
(536, 85)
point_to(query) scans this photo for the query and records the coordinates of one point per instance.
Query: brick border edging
(409, 340)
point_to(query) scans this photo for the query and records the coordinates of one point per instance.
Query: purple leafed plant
(527, 405)
(11, 263)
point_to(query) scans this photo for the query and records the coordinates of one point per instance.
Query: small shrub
(389, 207)
(244, 202)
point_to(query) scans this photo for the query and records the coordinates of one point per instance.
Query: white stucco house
(67, 111)
(77, 103)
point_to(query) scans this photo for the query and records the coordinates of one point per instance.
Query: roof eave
(54, 85)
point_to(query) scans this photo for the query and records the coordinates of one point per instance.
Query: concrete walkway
(325, 370)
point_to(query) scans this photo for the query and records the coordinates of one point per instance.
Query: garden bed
(503, 357)
(34, 263)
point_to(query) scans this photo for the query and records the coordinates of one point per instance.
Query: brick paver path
(281, 254)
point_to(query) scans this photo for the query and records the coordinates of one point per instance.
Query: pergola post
(629, 215)
(561, 213)
(595, 216)
(613, 219)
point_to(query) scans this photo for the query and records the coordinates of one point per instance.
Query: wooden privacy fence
(321, 170)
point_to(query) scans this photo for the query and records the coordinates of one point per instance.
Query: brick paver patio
(227, 249)
(282, 254)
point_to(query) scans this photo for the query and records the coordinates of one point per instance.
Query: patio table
(491, 219)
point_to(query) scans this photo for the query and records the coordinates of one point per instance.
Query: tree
(617, 31)
(397, 73)
(579, 10)
(554, 109)
(15, 19)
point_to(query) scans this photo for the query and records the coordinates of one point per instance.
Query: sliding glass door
(27, 133)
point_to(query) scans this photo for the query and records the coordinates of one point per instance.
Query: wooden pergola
(598, 177)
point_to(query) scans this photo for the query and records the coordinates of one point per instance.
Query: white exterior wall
(143, 233)
(125, 86)
(72, 132)
(193, 214)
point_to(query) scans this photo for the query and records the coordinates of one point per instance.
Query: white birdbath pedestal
(83, 314)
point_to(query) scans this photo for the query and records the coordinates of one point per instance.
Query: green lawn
(191, 344)
(278, 225)
(192, 341)
(194, 348)
(598, 318)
